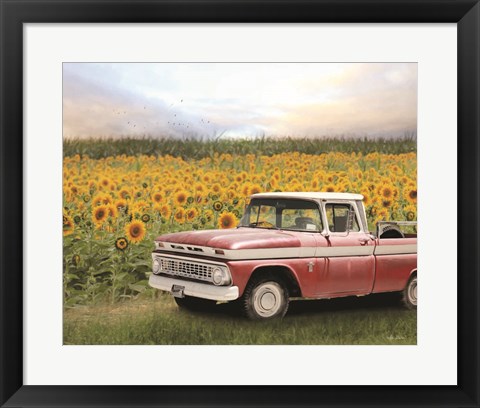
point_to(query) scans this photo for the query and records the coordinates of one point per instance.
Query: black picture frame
(14, 13)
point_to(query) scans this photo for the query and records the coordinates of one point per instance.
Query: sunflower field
(114, 207)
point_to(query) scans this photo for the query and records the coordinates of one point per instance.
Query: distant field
(198, 148)
(375, 319)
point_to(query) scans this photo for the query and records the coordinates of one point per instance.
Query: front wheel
(195, 304)
(265, 299)
(410, 293)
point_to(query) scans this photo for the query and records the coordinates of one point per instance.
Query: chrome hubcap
(267, 299)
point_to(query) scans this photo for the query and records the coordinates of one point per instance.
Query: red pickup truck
(288, 245)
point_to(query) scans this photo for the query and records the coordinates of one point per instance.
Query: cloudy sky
(239, 100)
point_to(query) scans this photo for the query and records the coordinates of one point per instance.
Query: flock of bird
(174, 122)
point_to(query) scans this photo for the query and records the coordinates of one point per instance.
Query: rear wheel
(265, 299)
(195, 304)
(409, 297)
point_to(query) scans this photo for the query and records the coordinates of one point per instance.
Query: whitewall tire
(410, 293)
(265, 299)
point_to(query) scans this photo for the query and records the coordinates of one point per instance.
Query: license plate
(177, 291)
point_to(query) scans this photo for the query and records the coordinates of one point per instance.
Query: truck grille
(186, 269)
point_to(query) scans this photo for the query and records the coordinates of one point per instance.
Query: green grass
(375, 319)
(201, 148)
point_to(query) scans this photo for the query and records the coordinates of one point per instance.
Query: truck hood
(241, 238)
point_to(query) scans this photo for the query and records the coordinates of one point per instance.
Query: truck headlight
(156, 266)
(220, 276)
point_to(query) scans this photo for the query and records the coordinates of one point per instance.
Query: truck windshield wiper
(259, 225)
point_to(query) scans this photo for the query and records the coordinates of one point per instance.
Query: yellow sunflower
(410, 212)
(181, 197)
(121, 243)
(385, 202)
(74, 190)
(101, 199)
(273, 182)
(104, 183)
(100, 214)
(97, 200)
(120, 204)
(124, 193)
(68, 225)
(329, 188)
(157, 197)
(135, 231)
(180, 215)
(208, 215)
(217, 188)
(142, 205)
(410, 194)
(165, 211)
(199, 188)
(231, 193)
(382, 215)
(254, 189)
(367, 200)
(112, 210)
(217, 205)
(386, 191)
(92, 185)
(245, 190)
(192, 213)
(227, 220)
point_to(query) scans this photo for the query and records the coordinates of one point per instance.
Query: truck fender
(287, 274)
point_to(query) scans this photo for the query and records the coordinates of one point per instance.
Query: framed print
(258, 158)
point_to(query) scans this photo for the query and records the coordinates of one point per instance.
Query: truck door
(349, 263)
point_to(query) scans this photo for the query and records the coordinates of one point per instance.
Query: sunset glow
(239, 100)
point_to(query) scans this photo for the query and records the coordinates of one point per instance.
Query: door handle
(363, 241)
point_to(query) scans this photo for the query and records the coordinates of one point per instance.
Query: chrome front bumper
(196, 289)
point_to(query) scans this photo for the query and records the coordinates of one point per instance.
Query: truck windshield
(287, 214)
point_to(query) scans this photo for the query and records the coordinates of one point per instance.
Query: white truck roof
(314, 195)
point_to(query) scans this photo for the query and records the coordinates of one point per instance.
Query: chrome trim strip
(187, 258)
(306, 252)
(395, 249)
